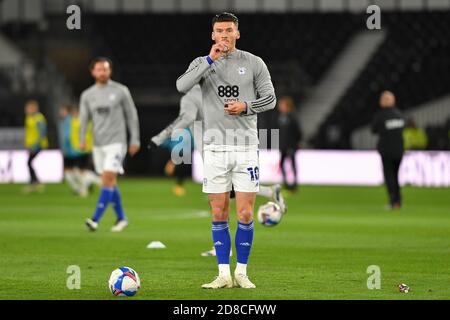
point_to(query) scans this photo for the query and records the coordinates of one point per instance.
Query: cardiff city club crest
(242, 70)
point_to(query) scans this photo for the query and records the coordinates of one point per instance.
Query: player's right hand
(133, 149)
(82, 146)
(217, 50)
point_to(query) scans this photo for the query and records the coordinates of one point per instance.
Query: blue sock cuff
(245, 226)
(219, 225)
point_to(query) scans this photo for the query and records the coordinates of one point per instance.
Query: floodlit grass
(321, 249)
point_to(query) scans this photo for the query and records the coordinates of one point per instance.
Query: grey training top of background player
(238, 76)
(112, 110)
(190, 111)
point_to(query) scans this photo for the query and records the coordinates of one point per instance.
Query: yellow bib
(32, 134)
(75, 135)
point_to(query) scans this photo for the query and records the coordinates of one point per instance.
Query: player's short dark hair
(289, 102)
(225, 17)
(32, 102)
(68, 107)
(100, 59)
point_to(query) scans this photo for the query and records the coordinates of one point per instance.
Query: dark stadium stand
(4, 84)
(298, 47)
(12, 103)
(439, 136)
(8, 116)
(413, 62)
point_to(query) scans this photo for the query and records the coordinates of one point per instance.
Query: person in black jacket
(290, 136)
(389, 124)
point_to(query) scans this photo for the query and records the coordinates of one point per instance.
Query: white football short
(224, 169)
(109, 158)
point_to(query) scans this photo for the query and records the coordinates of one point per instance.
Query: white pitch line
(181, 216)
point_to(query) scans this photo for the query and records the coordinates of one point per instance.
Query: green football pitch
(322, 249)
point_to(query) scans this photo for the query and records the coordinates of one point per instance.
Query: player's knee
(219, 212)
(108, 179)
(220, 216)
(219, 207)
(245, 215)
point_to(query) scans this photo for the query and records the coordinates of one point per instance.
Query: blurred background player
(35, 141)
(88, 177)
(389, 124)
(290, 136)
(69, 155)
(190, 111)
(414, 138)
(110, 106)
(180, 171)
(230, 163)
(76, 161)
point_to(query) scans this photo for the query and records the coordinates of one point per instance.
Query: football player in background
(35, 141)
(111, 108)
(388, 124)
(290, 136)
(76, 161)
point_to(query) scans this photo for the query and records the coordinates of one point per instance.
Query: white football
(269, 214)
(124, 281)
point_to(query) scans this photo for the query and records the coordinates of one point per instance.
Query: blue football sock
(117, 204)
(222, 241)
(102, 203)
(243, 241)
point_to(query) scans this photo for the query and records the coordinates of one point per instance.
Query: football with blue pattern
(124, 282)
(269, 214)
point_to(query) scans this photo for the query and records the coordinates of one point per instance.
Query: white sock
(83, 188)
(71, 179)
(91, 178)
(241, 268)
(265, 191)
(224, 270)
(85, 181)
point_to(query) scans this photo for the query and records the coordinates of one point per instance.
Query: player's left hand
(235, 108)
(133, 149)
